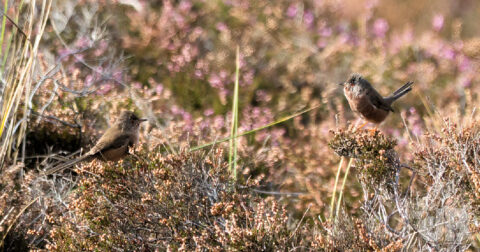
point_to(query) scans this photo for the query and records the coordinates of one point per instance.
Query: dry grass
(414, 184)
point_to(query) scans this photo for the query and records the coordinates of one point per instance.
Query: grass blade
(255, 130)
(232, 157)
(341, 189)
(332, 202)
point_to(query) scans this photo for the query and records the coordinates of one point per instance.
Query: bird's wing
(377, 100)
(104, 144)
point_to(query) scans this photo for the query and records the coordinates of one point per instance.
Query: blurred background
(174, 62)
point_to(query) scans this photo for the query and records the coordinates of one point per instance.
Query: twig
(19, 29)
(426, 238)
(300, 222)
(6, 215)
(15, 220)
(57, 119)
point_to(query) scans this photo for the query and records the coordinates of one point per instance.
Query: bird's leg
(361, 126)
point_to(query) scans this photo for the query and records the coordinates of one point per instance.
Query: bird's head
(355, 82)
(129, 120)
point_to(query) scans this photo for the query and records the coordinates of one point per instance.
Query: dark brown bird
(113, 145)
(367, 102)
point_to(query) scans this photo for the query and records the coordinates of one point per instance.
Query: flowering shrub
(414, 183)
(178, 201)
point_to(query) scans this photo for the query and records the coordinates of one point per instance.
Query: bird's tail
(403, 90)
(67, 164)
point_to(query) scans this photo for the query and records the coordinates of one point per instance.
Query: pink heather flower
(197, 30)
(105, 88)
(321, 43)
(325, 32)
(292, 10)
(198, 74)
(64, 52)
(247, 78)
(380, 27)
(137, 85)
(159, 88)
(89, 80)
(175, 110)
(185, 6)
(262, 96)
(98, 71)
(79, 57)
(437, 22)
(215, 81)
(221, 26)
(223, 74)
(117, 75)
(187, 117)
(465, 64)
(83, 42)
(100, 49)
(465, 80)
(448, 53)
(208, 112)
(308, 18)
(219, 122)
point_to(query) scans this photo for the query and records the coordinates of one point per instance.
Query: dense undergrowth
(315, 182)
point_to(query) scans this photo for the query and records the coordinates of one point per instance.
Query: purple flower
(321, 43)
(465, 80)
(89, 80)
(292, 10)
(247, 78)
(215, 81)
(137, 85)
(325, 32)
(223, 74)
(208, 112)
(185, 6)
(448, 53)
(308, 18)
(83, 42)
(117, 75)
(159, 88)
(105, 88)
(437, 22)
(465, 64)
(221, 26)
(198, 74)
(101, 48)
(380, 27)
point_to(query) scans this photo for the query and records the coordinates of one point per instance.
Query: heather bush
(441, 213)
(413, 183)
(177, 201)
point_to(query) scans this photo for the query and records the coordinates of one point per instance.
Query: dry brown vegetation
(315, 182)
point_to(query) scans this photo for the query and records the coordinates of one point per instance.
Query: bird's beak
(143, 119)
(341, 84)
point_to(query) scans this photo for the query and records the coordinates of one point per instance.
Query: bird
(113, 144)
(365, 101)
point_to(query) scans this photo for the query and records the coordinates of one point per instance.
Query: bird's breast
(362, 105)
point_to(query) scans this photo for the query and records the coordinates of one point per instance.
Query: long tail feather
(407, 85)
(66, 165)
(403, 90)
(401, 93)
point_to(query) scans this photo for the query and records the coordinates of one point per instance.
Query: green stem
(343, 186)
